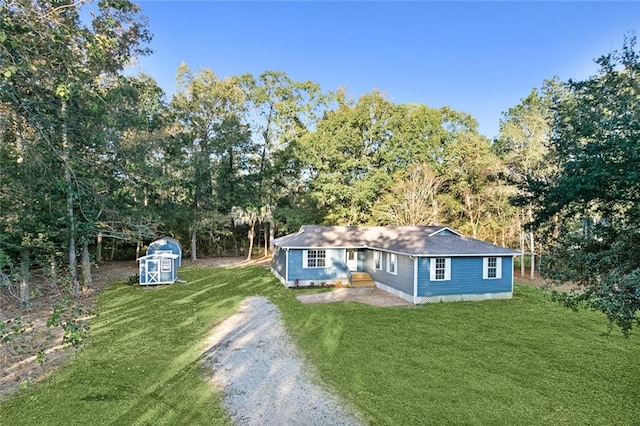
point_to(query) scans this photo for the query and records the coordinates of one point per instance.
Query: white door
(153, 271)
(352, 259)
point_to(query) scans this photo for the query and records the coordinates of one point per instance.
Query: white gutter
(415, 280)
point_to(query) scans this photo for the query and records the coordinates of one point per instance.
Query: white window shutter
(498, 267)
(447, 268)
(432, 269)
(485, 268)
(305, 255)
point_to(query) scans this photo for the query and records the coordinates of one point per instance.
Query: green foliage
(61, 123)
(591, 207)
(73, 318)
(10, 329)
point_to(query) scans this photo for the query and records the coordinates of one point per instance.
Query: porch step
(361, 279)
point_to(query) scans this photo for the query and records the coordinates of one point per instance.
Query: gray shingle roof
(411, 240)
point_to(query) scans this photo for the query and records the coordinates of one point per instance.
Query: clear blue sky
(476, 57)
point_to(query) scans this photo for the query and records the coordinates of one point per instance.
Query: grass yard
(523, 361)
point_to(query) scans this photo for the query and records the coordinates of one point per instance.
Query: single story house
(420, 264)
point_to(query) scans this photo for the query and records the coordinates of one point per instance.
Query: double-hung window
(492, 268)
(165, 265)
(440, 269)
(392, 263)
(377, 260)
(314, 259)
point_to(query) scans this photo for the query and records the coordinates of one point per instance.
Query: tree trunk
(66, 158)
(53, 274)
(272, 232)
(532, 245)
(522, 245)
(250, 236)
(194, 255)
(533, 256)
(25, 266)
(266, 241)
(99, 248)
(138, 248)
(87, 279)
(522, 251)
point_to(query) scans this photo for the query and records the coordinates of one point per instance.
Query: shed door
(352, 260)
(153, 271)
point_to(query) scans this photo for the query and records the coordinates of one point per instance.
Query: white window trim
(305, 259)
(377, 254)
(165, 265)
(395, 271)
(447, 269)
(485, 268)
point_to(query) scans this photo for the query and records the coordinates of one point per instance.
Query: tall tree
(204, 108)
(52, 66)
(471, 169)
(591, 208)
(246, 216)
(524, 145)
(414, 199)
(280, 111)
(343, 158)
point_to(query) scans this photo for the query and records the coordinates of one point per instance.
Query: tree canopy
(590, 208)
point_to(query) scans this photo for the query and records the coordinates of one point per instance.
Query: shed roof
(411, 240)
(164, 255)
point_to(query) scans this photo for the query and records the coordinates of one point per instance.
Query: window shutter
(498, 267)
(432, 269)
(447, 268)
(305, 255)
(485, 268)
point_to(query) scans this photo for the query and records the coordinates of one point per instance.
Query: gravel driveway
(262, 375)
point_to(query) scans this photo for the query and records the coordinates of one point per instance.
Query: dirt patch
(369, 295)
(542, 283)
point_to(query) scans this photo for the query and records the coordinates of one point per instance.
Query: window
(314, 258)
(392, 263)
(440, 269)
(492, 268)
(377, 260)
(165, 265)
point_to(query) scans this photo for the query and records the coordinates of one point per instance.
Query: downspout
(286, 267)
(415, 280)
(513, 273)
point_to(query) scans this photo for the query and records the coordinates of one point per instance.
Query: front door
(352, 260)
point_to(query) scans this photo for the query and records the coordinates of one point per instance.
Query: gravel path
(264, 379)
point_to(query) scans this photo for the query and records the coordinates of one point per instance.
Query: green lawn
(523, 361)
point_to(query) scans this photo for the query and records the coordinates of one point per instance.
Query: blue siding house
(420, 264)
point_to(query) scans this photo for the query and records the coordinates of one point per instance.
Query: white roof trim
(446, 228)
(160, 254)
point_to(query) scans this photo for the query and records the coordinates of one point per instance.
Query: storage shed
(160, 265)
